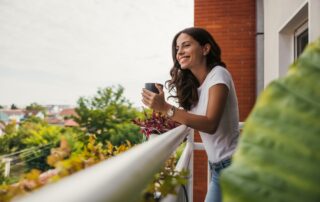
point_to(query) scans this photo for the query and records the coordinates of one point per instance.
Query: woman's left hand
(153, 100)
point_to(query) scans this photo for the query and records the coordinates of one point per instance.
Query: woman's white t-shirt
(222, 144)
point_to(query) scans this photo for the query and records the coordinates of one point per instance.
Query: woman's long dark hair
(183, 81)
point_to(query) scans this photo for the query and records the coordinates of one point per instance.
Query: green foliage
(32, 132)
(2, 167)
(10, 139)
(278, 155)
(36, 157)
(65, 160)
(109, 116)
(36, 107)
(34, 119)
(180, 149)
(32, 141)
(165, 182)
(10, 128)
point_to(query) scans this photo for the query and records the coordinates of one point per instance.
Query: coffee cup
(152, 87)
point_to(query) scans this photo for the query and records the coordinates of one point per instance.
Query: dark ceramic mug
(152, 87)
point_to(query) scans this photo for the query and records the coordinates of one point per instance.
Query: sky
(56, 51)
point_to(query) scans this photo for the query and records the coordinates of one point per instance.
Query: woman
(206, 96)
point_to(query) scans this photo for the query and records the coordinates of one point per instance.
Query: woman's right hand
(155, 101)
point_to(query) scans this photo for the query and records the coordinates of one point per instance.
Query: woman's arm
(209, 123)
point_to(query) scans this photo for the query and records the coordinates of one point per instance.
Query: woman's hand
(155, 101)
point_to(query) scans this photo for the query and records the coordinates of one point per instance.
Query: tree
(109, 116)
(36, 107)
(13, 106)
(10, 141)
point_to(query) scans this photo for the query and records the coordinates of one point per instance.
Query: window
(293, 37)
(301, 39)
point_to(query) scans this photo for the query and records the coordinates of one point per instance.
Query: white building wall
(314, 19)
(281, 18)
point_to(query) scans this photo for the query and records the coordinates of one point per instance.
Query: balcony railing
(121, 178)
(124, 177)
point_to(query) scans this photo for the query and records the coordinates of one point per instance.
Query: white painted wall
(276, 13)
(314, 19)
(280, 21)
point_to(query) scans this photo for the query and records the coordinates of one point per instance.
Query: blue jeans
(214, 192)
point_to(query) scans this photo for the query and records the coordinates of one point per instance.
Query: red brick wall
(232, 24)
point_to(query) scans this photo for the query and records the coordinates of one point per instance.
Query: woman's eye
(182, 46)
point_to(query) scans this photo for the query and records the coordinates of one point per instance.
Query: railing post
(7, 162)
(190, 184)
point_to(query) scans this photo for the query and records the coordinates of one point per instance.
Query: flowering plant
(156, 123)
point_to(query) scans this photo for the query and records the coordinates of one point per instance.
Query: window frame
(298, 33)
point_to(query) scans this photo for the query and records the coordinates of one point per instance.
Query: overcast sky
(54, 51)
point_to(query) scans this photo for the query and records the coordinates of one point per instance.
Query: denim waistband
(221, 164)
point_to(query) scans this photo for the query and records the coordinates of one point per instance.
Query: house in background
(4, 116)
(54, 121)
(66, 115)
(53, 110)
(60, 115)
(35, 113)
(8, 115)
(70, 123)
(259, 39)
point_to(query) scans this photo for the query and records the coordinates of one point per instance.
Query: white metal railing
(121, 178)
(7, 159)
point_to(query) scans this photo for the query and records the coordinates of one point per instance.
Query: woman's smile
(183, 59)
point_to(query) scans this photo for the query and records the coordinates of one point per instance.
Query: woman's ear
(206, 49)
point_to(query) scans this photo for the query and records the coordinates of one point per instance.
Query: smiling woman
(206, 96)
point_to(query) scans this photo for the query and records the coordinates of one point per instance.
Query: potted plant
(154, 124)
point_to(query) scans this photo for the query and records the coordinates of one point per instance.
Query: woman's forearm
(197, 122)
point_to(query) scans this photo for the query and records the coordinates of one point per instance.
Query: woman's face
(189, 53)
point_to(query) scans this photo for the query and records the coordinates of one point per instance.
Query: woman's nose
(180, 51)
